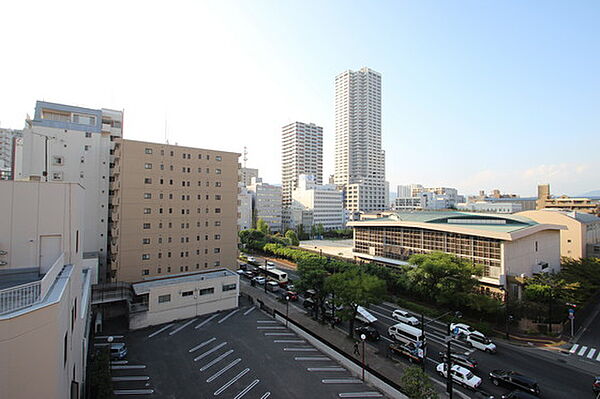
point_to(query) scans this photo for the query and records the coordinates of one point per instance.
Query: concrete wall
(521, 257)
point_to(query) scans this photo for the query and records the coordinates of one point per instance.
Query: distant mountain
(595, 193)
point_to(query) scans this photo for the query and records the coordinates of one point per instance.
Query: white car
(460, 375)
(463, 329)
(251, 259)
(481, 342)
(269, 263)
(405, 317)
(259, 280)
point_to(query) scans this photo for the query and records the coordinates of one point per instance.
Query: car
(272, 286)
(460, 375)
(370, 332)
(409, 351)
(248, 274)
(251, 259)
(243, 265)
(481, 342)
(240, 272)
(118, 351)
(463, 329)
(518, 395)
(461, 359)
(596, 385)
(405, 317)
(514, 380)
(291, 287)
(292, 295)
(260, 280)
(269, 263)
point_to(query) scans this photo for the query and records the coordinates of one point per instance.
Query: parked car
(118, 350)
(251, 259)
(463, 329)
(370, 332)
(461, 359)
(260, 280)
(596, 385)
(248, 274)
(269, 263)
(409, 351)
(481, 342)
(405, 317)
(243, 266)
(292, 295)
(460, 375)
(514, 380)
(272, 286)
(518, 395)
(240, 272)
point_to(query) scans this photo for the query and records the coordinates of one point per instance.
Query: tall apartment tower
(302, 154)
(64, 143)
(359, 159)
(7, 149)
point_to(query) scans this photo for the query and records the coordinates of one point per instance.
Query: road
(556, 379)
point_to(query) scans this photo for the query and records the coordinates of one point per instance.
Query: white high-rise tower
(359, 159)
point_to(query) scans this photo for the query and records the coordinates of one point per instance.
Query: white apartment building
(266, 203)
(65, 143)
(314, 204)
(45, 290)
(244, 208)
(359, 158)
(301, 153)
(7, 139)
(483, 206)
(246, 175)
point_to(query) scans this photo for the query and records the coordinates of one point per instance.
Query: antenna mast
(245, 155)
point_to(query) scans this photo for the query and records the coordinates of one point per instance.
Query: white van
(404, 333)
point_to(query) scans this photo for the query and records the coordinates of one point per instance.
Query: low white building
(244, 208)
(490, 207)
(314, 204)
(266, 203)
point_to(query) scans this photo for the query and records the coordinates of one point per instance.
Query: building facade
(71, 144)
(266, 204)
(546, 201)
(301, 154)
(315, 204)
(246, 175)
(506, 246)
(45, 290)
(359, 158)
(490, 207)
(7, 149)
(173, 210)
(244, 208)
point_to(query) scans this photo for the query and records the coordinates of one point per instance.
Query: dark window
(207, 291)
(229, 287)
(164, 298)
(187, 293)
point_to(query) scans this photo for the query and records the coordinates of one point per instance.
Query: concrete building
(266, 204)
(246, 175)
(7, 148)
(404, 191)
(490, 207)
(547, 201)
(173, 210)
(417, 203)
(71, 144)
(508, 247)
(45, 287)
(580, 239)
(314, 204)
(244, 208)
(359, 158)
(301, 154)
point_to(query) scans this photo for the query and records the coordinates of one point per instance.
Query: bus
(407, 334)
(274, 274)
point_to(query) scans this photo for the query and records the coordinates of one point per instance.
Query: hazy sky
(476, 94)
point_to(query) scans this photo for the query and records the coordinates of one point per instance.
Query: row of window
(148, 165)
(183, 254)
(148, 180)
(203, 291)
(147, 226)
(148, 211)
(147, 241)
(146, 272)
(184, 197)
(149, 151)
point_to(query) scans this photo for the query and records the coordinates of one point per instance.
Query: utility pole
(423, 336)
(265, 282)
(449, 370)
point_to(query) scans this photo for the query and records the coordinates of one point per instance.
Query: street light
(363, 337)
(287, 309)
(423, 340)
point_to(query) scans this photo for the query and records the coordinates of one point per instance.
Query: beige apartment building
(173, 210)
(546, 201)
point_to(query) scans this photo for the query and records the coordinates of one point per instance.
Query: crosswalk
(586, 352)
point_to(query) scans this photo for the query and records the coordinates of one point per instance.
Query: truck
(409, 351)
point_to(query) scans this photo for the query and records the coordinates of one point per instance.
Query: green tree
(354, 288)
(313, 231)
(312, 277)
(262, 226)
(100, 381)
(552, 289)
(416, 384)
(319, 229)
(292, 238)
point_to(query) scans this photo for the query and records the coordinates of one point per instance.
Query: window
(171, 153)
(145, 241)
(148, 150)
(164, 298)
(207, 170)
(217, 184)
(162, 152)
(536, 246)
(199, 156)
(147, 196)
(56, 160)
(218, 158)
(57, 176)
(218, 197)
(147, 211)
(207, 291)
(159, 270)
(147, 166)
(65, 342)
(145, 272)
(217, 222)
(217, 236)
(88, 135)
(217, 210)
(217, 263)
(87, 147)
(160, 255)
(160, 240)
(218, 171)
(217, 250)
(229, 287)
(145, 256)
(147, 180)
(146, 225)
(187, 293)
(162, 167)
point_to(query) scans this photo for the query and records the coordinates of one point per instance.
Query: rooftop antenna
(245, 155)
(166, 139)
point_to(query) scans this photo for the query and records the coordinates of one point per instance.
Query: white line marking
(217, 360)
(131, 378)
(128, 367)
(387, 339)
(598, 358)
(175, 331)
(231, 381)
(360, 395)
(582, 350)
(208, 352)
(289, 341)
(574, 348)
(161, 330)
(133, 391)
(106, 336)
(247, 389)
(300, 358)
(206, 321)
(270, 328)
(591, 353)
(228, 316)
(341, 381)
(325, 369)
(224, 369)
(287, 334)
(300, 349)
(266, 395)
(247, 312)
(119, 362)
(195, 348)
(266, 321)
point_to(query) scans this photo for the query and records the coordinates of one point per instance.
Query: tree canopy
(416, 384)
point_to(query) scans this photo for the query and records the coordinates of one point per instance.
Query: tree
(312, 277)
(416, 384)
(313, 231)
(262, 226)
(354, 288)
(100, 381)
(292, 238)
(319, 229)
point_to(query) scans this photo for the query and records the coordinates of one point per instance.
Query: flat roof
(122, 140)
(144, 287)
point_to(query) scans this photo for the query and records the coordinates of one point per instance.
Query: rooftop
(145, 286)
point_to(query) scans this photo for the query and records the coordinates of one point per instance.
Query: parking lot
(240, 353)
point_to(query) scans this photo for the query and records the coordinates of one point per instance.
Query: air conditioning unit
(3, 263)
(2, 253)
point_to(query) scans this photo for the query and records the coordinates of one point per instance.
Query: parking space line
(160, 330)
(360, 395)
(308, 358)
(133, 391)
(224, 369)
(591, 353)
(231, 382)
(206, 321)
(266, 321)
(228, 316)
(247, 389)
(300, 349)
(175, 331)
(598, 358)
(119, 362)
(270, 328)
(195, 348)
(247, 312)
(128, 367)
(387, 339)
(131, 378)
(216, 360)
(208, 352)
(266, 395)
(286, 334)
(341, 381)
(574, 348)
(582, 350)
(325, 369)
(289, 341)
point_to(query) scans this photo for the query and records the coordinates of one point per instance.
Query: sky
(476, 94)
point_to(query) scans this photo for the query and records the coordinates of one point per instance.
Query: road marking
(289, 341)
(360, 395)
(341, 381)
(217, 360)
(286, 334)
(231, 382)
(208, 352)
(195, 348)
(161, 330)
(266, 321)
(270, 328)
(247, 389)
(598, 358)
(325, 369)
(119, 362)
(300, 349)
(128, 367)
(133, 391)
(266, 395)
(206, 321)
(228, 316)
(300, 358)
(131, 378)
(591, 353)
(224, 369)
(582, 350)
(382, 315)
(574, 348)
(247, 312)
(387, 339)
(107, 336)
(175, 331)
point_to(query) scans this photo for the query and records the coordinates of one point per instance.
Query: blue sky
(476, 94)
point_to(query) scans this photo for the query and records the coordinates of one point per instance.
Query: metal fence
(20, 296)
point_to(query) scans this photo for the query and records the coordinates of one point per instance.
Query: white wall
(520, 256)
